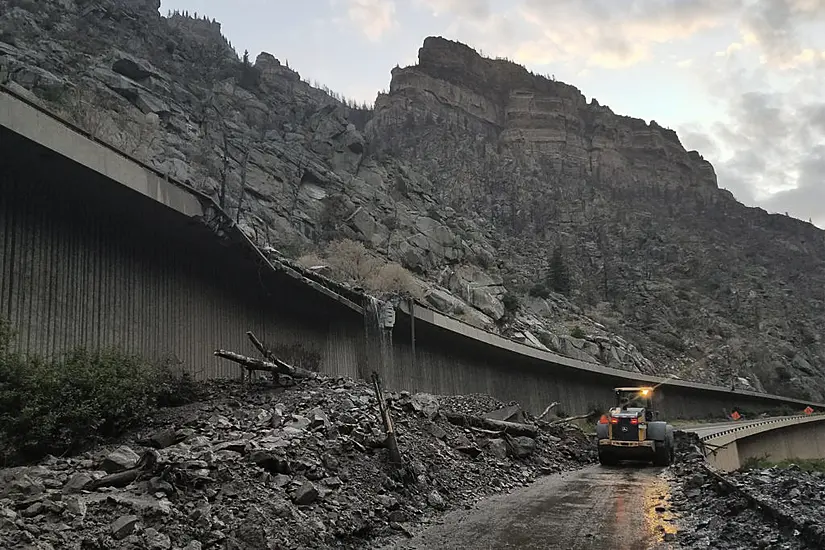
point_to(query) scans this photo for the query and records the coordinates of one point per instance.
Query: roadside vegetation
(66, 404)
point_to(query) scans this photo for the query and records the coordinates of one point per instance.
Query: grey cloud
(816, 115)
(694, 139)
(775, 24)
(807, 200)
(624, 30)
(653, 11)
(476, 10)
(776, 139)
(683, 10)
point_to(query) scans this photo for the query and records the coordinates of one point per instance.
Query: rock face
(518, 111)
(470, 173)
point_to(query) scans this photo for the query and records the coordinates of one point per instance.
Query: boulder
(306, 494)
(522, 446)
(124, 526)
(133, 67)
(425, 404)
(120, 459)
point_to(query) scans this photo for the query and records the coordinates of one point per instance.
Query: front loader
(630, 431)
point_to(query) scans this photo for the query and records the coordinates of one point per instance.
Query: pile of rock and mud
(738, 510)
(255, 467)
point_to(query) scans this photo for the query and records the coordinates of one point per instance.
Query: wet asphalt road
(597, 508)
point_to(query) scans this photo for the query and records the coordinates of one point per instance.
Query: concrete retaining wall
(86, 262)
(451, 357)
(803, 441)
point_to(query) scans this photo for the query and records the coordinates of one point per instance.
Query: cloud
(776, 26)
(808, 197)
(614, 34)
(770, 149)
(476, 10)
(374, 18)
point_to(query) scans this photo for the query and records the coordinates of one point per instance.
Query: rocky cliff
(519, 112)
(500, 197)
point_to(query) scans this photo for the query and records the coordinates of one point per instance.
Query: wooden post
(412, 330)
(391, 443)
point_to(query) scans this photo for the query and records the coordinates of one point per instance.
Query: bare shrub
(352, 260)
(393, 278)
(136, 137)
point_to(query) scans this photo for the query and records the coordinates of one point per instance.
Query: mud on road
(596, 508)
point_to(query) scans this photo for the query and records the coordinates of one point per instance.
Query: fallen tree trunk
(275, 367)
(511, 428)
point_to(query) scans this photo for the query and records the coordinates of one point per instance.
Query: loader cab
(636, 398)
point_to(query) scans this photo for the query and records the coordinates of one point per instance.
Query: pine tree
(559, 276)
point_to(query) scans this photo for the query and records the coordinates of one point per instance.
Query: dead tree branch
(275, 367)
(260, 346)
(147, 463)
(549, 408)
(512, 428)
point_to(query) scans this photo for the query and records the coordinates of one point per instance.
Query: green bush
(539, 290)
(66, 405)
(577, 332)
(511, 303)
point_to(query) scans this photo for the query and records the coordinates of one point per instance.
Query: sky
(741, 81)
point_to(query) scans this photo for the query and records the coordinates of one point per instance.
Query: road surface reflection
(598, 508)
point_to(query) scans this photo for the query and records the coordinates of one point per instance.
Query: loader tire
(607, 458)
(663, 455)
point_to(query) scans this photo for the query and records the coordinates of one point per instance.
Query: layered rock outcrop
(517, 111)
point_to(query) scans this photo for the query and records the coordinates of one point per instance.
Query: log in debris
(391, 442)
(569, 419)
(511, 428)
(276, 366)
(145, 465)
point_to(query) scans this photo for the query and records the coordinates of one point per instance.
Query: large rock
(120, 459)
(124, 526)
(425, 404)
(133, 67)
(306, 494)
(522, 446)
